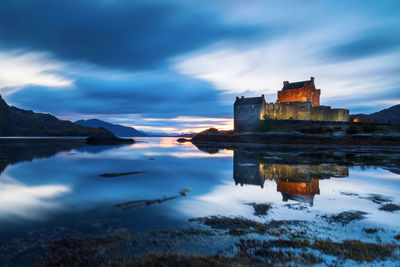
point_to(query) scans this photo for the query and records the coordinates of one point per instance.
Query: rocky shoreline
(295, 138)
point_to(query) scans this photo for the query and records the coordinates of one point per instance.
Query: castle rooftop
(249, 100)
(297, 85)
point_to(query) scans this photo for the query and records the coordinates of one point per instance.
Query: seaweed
(348, 249)
(370, 230)
(241, 225)
(260, 209)
(378, 199)
(390, 207)
(345, 217)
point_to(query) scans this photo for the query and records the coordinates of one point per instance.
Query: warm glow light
(187, 124)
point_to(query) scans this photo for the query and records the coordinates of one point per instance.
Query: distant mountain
(390, 115)
(116, 129)
(18, 122)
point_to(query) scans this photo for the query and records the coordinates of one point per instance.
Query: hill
(390, 115)
(116, 129)
(18, 122)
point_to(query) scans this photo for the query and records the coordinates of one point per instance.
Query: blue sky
(177, 65)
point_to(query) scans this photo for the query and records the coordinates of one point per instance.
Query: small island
(297, 118)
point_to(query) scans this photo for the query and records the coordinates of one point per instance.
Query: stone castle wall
(304, 111)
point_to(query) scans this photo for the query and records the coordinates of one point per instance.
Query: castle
(296, 101)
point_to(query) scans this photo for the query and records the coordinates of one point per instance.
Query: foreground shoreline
(257, 228)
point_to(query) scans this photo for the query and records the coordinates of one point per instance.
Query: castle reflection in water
(299, 182)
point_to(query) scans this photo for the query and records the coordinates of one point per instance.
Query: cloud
(375, 41)
(19, 69)
(260, 67)
(165, 95)
(130, 61)
(115, 34)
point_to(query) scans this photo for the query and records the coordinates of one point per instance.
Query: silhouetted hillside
(19, 122)
(116, 129)
(390, 115)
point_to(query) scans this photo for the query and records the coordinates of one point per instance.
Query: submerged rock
(118, 174)
(128, 205)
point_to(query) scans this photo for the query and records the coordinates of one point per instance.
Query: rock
(182, 140)
(98, 140)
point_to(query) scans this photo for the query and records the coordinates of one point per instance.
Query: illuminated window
(252, 106)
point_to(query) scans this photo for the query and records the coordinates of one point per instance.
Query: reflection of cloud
(226, 199)
(20, 200)
(199, 154)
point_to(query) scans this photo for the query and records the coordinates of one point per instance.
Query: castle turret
(247, 112)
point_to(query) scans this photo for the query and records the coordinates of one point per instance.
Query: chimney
(285, 83)
(242, 97)
(237, 98)
(312, 78)
(262, 95)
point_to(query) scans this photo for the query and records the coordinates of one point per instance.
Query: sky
(177, 66)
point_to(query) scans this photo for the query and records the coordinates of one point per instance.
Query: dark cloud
(123, 37)
(121, 34)
(368, 102)
(167, 98)
(376, 41)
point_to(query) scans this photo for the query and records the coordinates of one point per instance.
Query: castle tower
(304, 91)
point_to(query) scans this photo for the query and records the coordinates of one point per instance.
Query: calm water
(58, 184)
